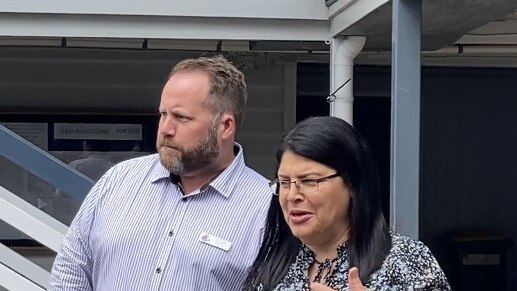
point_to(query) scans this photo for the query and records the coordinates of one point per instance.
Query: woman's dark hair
(335, 143)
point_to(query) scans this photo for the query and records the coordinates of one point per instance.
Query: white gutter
(342, 54)
(264, 9)
(161, 27)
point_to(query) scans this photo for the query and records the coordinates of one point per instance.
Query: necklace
(322, 266)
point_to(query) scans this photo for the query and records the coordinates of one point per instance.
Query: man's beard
(180, 160)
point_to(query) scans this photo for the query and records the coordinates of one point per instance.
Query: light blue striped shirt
(136, 231)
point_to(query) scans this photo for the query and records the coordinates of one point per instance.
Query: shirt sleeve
(72, 269)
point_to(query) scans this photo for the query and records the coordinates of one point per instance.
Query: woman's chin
(304, 232)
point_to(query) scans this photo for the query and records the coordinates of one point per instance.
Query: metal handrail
(13, 281)
(31, 221)
(23, 266)
(42, 164)
(16, 272)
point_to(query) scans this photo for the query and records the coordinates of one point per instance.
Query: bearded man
(187, 218)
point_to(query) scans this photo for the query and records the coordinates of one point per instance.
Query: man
(189, 218)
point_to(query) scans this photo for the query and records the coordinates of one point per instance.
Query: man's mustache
(168, 143)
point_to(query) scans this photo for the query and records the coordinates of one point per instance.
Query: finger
(354, 282)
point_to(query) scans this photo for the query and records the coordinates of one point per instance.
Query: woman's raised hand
(354, 283)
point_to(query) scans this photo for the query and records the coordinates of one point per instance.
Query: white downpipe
(343, 51)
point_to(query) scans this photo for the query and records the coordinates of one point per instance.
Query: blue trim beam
(43, 165)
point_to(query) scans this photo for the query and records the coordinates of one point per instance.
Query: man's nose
(167, 127)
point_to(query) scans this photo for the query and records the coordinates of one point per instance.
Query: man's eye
(182, 117)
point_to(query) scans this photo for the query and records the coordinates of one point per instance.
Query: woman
(326, 222)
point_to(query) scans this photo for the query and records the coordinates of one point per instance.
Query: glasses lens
(308, 186)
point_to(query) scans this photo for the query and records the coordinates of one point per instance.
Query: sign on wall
(98, 131)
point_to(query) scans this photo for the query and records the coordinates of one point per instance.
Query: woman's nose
(294, 192)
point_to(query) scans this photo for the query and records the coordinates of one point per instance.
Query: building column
(405, 116)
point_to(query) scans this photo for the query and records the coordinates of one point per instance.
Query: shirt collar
(159, 172)
(223, 183)
(226, 181)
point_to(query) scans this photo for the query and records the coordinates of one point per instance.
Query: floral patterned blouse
(408, 266)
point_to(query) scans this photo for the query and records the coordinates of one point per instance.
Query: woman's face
(319, 217)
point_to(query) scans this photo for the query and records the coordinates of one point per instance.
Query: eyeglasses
(305, 186)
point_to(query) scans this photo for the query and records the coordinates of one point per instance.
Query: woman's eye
(285, 184)
(308, 182)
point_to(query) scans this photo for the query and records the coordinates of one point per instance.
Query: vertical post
(405, 116)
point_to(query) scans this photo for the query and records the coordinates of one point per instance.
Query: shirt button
(158, 270)
(171, 233)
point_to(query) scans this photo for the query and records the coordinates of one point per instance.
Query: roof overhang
(284, 20)
(443, 22)
(263, 25)
(173, 19)
(344, 13)
(162, 27)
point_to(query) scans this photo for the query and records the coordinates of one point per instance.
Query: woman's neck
(328, 250)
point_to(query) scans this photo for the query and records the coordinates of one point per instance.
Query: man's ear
(227, 126)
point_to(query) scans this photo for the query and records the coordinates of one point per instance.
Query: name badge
(215, 241)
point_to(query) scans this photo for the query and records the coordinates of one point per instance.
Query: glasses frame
(275, 184)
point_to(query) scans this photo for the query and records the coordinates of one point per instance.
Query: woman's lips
(299, 216)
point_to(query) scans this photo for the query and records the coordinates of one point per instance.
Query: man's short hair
(227, 91)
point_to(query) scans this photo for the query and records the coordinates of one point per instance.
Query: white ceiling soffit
(443, 21)
(344, 13)
(500, 32)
